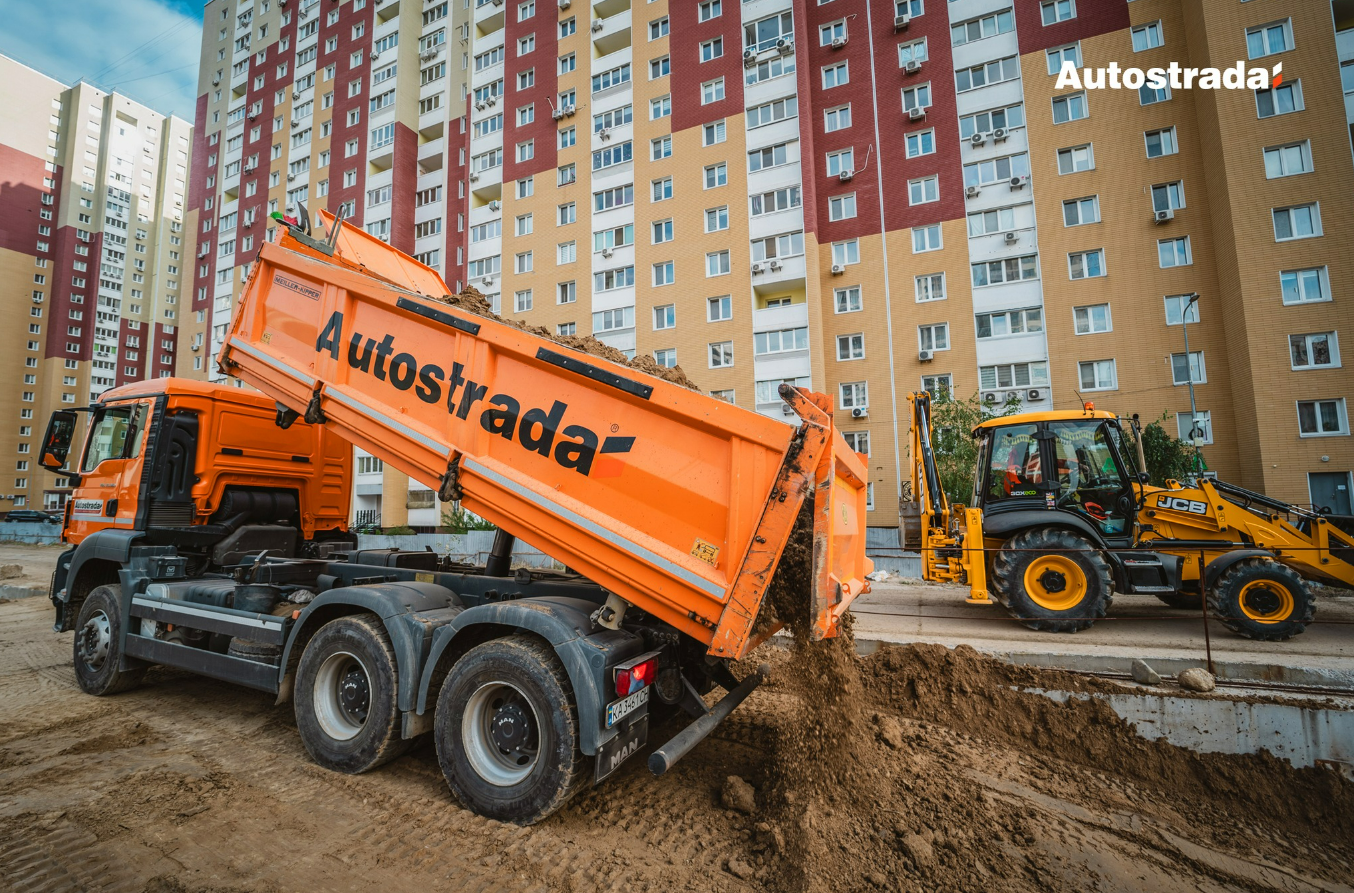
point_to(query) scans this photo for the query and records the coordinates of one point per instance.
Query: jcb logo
(1182, 505)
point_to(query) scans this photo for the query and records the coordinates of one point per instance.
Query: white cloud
(71, 39)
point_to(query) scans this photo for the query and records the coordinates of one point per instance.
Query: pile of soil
(473, 301)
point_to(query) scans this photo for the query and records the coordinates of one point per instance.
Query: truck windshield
(110, 432)
(1089, 477)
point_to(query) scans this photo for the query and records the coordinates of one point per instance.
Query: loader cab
(107, 473)
(1058, 461)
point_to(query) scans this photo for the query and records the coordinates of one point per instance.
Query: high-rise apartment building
(95, 251)
(869, 197)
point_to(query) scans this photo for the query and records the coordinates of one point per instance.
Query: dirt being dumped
(473, 301)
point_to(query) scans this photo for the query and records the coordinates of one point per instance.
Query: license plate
(618, 710)
(619, 749)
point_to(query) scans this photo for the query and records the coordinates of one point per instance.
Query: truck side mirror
(56, 443)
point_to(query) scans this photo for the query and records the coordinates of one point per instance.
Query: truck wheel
(1182, 601)
(98, 634)
(1053, 580)
(1262, 599)
(346, 690)
(507, 731)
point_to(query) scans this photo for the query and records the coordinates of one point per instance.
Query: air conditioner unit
(570, 109)
(1020, 181)
(474, 177)
(901, 22)
(498, 2)
(253, 117)
(776, 265)
(924, 356)
(999, 134)
(838, 269)
(295, 94)
(480, 106)
(756, 268)
(375, 56)
(916, 114)
(492, 100)
(978, 139)
(557, 114)
(994, 397)
(973, 191)
(291, 177)
(597, 25)
(604, 133)
(787, 409)
(495, 205)
(784, 47)
(1010, 238)
(846, 176)
(427, 55)
(564, 4)
(488, 280)
(749, 57)
(838, 42)
(912, 67)
(860, 412)
(1034, 394)
(607, 252)
(295, 124)
(216, 82)
(1165, 215)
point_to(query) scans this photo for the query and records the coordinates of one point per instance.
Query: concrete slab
(1137, 627)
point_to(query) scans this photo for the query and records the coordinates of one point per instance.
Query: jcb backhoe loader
(1063, 516)
(209, 532)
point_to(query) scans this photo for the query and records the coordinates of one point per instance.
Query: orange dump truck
(669, 508)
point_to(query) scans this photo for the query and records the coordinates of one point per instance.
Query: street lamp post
(1195, 435)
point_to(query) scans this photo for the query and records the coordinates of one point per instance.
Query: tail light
(635, 674)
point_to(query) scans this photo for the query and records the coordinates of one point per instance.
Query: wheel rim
(94, 640)
(342, 697)
(1055, 582)
(1266, 601)
(501, 732)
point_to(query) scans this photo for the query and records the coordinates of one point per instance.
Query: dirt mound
(472, 301)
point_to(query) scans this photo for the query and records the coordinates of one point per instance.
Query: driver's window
(1089, 476)
(1014, 469)
(110, 432)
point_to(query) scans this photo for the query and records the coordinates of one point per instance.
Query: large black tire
(507, 731)
(98, 650)
(1181, 601)
(1053, 580)
(1262, 599)
(347, 685)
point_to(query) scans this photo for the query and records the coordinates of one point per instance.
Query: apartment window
(1009, 322)
(841, 207)
(980, 28)
(930, 287)
(1201, 428)
(717, 263)
(847, 300)
(1097, 375)
(613, 118)
(719, 309)
(710, 9)
(526, 114)
(1266, 40)
(934, 337)
(612, 156)
(851, 347)
(566, 173)
(1279, 101)
(721, 354)
(660, 148)
(996, 170)
(926, 238)
(1168, 196)
(607, 199)
(1317, 351)
(568, 63)
(660, 107)
(1307, 286)
(523, 225)
(713, 133)
(566, 292)
(1289, 160)
(771, 112)
(1322, 418)
(1069, 108)
(526, 10)
(568, 27)
(922, 143)
(664, 273)
(712, 91)
(666, 357)
(1077, 158)
(526, 187)
(831, 31)
(773, 156)
(1161, 142)
(1148, 95)
(835, 75)
(921, 191)
(1081, 211)
(611, 78)
(1297, 222)
(853, 395)
(1183, 369)
(1065, 55)
(915, 51)
(1147, 37)
(987, 122)
(780, 341)
(784, 245)
(716, 175)
(847, 252)
(917, 97)
(660, 68)
(1018, 375)
(1175, 310)
(523, 263)
(609, 280)
(613, 238)
(665, 316)
(1011, 269)
(839, 162)
(658, 28)
(716, 219)
(568, 213)
(522, 301)
(1054, 11)
(993, 72)
(712, 49)
(1092, 319)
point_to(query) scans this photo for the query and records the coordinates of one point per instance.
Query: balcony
(786, 316)
(489, 16)
(779, 274)
(614, 34)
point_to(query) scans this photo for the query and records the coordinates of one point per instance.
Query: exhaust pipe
(666, 757)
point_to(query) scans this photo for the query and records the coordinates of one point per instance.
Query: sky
(145, 49)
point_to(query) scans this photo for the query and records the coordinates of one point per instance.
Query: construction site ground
(958, 778)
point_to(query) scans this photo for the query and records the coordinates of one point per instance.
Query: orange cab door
(110, 469)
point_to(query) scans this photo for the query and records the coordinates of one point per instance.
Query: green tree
(457, 520)
(1167, 457)
(956, 452)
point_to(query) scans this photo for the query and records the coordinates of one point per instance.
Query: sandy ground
(186, 784)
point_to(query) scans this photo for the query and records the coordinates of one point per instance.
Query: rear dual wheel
(1262, 599)
(1051, 579)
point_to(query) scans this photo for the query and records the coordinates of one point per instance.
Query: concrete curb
(13, 592)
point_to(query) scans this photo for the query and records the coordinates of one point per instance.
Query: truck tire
(507, 731)
(98, 644)
(1053, 580)
(1262, 599)
(346, 696)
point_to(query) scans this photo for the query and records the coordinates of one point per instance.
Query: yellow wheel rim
(1055, 583)
(1266, 601)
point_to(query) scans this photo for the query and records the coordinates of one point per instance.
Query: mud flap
(611, 754)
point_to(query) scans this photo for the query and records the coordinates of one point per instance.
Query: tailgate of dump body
(651, 490)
